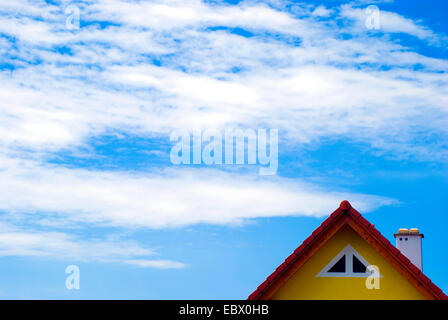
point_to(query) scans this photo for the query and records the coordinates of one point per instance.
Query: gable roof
(346, 214)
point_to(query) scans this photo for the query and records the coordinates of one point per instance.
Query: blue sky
(86, 117)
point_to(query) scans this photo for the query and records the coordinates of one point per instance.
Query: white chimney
(409, 242)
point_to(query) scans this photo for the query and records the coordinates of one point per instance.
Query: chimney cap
(410, 232)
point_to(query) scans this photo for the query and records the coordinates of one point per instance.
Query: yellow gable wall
(304, 284)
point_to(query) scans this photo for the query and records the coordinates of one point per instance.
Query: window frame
(349, 252)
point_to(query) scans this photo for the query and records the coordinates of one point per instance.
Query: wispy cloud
(169, 198)
(145, 68)
(160, 264)
(390, 22)
(57, 100)
(19, 241)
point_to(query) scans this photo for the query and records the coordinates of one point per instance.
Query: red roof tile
(424, 278)
(253, 295)
(299, 249)
(272, 276)
(363, 221)
(354, 213)
(403, 258)
(394, 250)
(281, 267)
(383, 240)
(290, 258)
(414, 268)
(443, 296)
(435, 288)
(325, 223)
(317, 231)
(308, 240)
(373, 230)
(262, 286)
(335, 214)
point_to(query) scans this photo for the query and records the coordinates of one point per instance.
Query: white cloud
(171, 198)
(389, 22)
(15, 241)
(160, 264)
(63, 100)
(20, 241)
(296, 74)
(63, 246)
(174, 14)
(321, 11)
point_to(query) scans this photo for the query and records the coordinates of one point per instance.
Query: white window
(347, 263)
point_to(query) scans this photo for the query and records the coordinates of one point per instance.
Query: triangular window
(358, 266)
(347, 263)
(338, 266)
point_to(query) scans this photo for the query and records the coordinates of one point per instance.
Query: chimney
(409, 242)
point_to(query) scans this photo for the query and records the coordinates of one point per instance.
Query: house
(346, 257)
